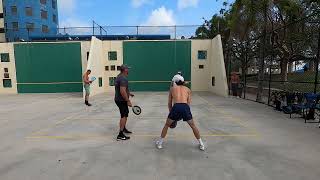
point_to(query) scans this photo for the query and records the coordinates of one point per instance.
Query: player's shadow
(180, 149)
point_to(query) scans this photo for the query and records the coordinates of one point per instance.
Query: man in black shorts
(180, 96)
(122, 100)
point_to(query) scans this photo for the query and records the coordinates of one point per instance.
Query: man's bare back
(180, 94)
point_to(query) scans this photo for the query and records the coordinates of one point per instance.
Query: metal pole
(137, 30)
(175, 32)
(245, 71)
(28, 34)
(229, 68)
(317, 64)
(92, 28)
(270, 69)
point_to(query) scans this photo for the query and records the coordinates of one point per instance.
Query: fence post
(229, 68)
(92, 28)
(317, 64)
(270, 68)
(137, 30)
(245, 71)
(270, 77)
(28, 34)
(175, 32)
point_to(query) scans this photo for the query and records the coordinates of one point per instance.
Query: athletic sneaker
(201, 147)
(87, 103)
(122, 137)
(159, 145)
(125, 130)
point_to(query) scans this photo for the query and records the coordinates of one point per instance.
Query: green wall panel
(49, 88)
(48, 67)
(153, 62)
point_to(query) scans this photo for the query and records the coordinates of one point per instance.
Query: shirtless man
(86, 85)
(181, 97)
(175, 77)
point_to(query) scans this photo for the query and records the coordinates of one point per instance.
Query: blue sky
(136, 12)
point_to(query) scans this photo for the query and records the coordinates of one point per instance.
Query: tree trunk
(284, 69)
(290, 67)
(311, 66)
(243, 70)
(261, 63)
(260, 80)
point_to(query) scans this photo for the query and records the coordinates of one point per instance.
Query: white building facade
(2, 29)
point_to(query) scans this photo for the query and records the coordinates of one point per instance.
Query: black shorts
(180, 111)
(123, 107)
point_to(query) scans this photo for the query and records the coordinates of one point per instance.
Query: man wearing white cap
(176, 77)
(180, 96)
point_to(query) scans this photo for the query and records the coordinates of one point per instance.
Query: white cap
(177, 78)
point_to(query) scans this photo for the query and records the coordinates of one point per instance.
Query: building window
(6, 70)
(30, 27)
(1, 15)
(118, 68)
(88, 53)
(6, 75)
(7, 83)
(54, 4)
(201, 66)
(213, 81)
(112, 81)
(5, 57)
(15, 26)
(2, 30)
(106, 68)
(44, 14)
(202, 55)
(112, 55)
(100, 81)
(29, 11)
(45, 28)
(113, 68)
(14, 10)
(44, 2)
(54, 18)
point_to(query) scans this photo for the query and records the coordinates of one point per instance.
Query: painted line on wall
(154, 81)
(50, 83)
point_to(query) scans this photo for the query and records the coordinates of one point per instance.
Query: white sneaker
(201, 147)
(159, 145)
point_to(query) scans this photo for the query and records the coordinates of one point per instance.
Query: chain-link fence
(283, 59)
(114, 32)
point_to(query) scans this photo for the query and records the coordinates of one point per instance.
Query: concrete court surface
(55, 137)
